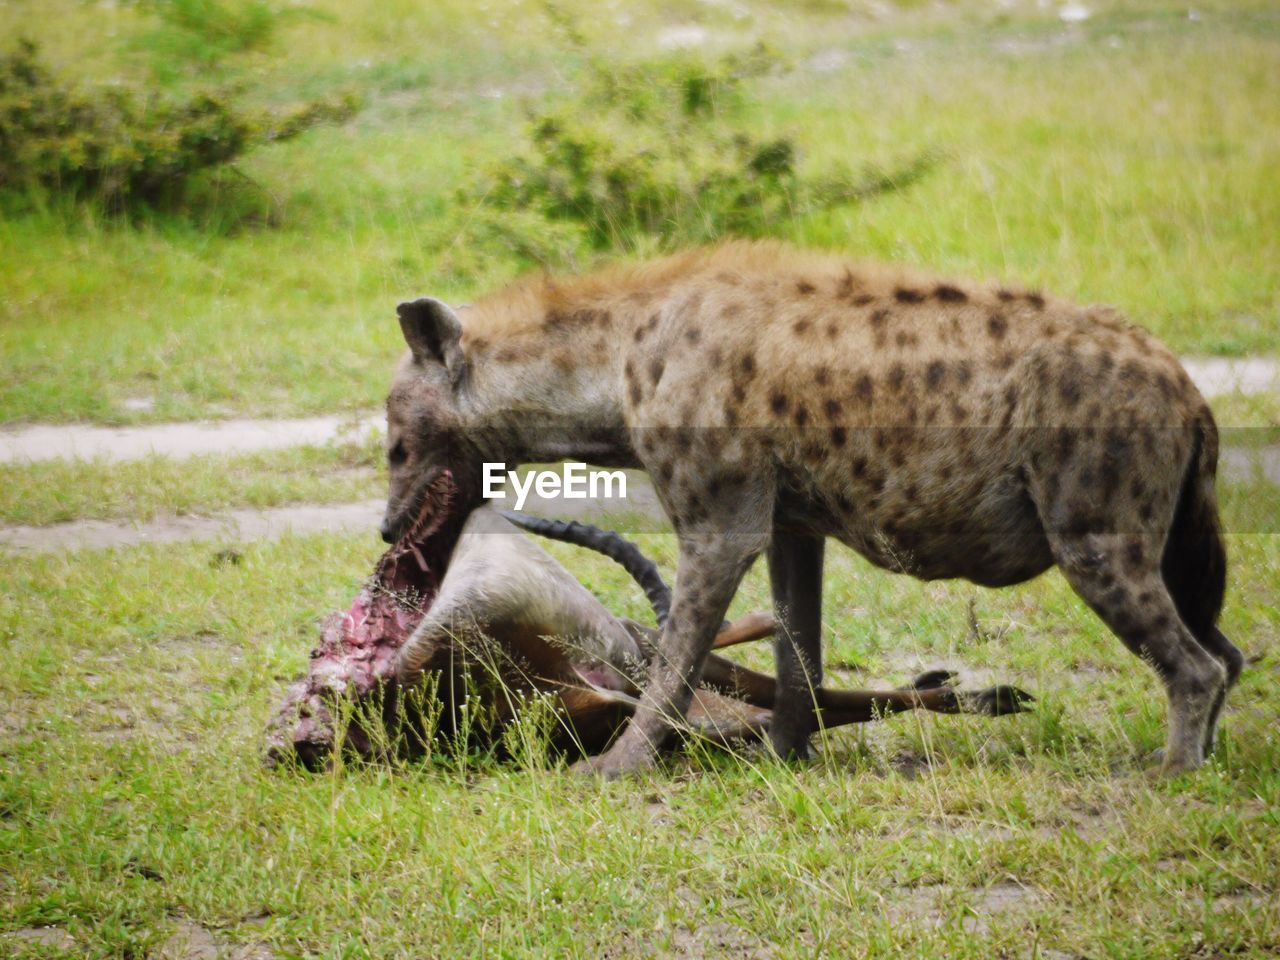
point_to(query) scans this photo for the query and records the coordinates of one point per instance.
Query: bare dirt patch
(718, 939)
(51, 937)
(1251, 901)
(237, 525)
(715, 939)
(80, 441)
(191, 941)
(1215, 376)
(927, 905)
(999, 900)
(1245, 464)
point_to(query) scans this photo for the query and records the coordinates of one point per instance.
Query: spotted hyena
(776, 397)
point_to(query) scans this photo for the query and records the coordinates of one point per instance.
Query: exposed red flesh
(357, 650)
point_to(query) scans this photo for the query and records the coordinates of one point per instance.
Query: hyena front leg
(795, 574)
(1118, 575)
(711, 565)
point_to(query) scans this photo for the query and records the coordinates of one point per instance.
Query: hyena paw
(614, 764)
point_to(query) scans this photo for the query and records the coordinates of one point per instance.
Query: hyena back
(777, 398)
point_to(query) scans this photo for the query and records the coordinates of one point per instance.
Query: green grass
(1248, 419)
(132, 799)
(1129, 159)
(59, 490)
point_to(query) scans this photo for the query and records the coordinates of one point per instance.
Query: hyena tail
(1194, 565)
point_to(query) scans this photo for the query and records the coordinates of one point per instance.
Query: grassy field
(1131, 158)
(133, 802)
(1128, 159)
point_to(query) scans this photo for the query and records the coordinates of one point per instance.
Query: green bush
(201, 34)
(658, 155)
(121, 147)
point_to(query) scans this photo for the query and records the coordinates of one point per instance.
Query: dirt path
(640, 512)
(1214, 376)
(1243, 463)
(1218, 375)
(78, 441)
(234, 526)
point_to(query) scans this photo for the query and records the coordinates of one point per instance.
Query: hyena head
(426, 429)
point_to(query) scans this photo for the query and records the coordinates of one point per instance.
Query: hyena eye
(396, 455)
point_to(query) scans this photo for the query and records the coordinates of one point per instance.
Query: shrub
(657, 155)
(200, 34)
(122, 147)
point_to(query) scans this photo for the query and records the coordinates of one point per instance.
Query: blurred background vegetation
(214, 203)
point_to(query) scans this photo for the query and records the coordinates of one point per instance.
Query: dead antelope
(496, 618)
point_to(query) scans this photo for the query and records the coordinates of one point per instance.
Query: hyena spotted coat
(777, 397)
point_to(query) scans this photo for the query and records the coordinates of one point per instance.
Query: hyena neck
(548, 391)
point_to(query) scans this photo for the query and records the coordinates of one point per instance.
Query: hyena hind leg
(1119, 577)
(1232, 660)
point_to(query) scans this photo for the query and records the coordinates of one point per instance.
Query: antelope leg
(931, 692)
(754, 626)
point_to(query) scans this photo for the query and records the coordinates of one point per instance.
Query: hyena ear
(432, 331)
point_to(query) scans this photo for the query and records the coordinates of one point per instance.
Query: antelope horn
(614, 546)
